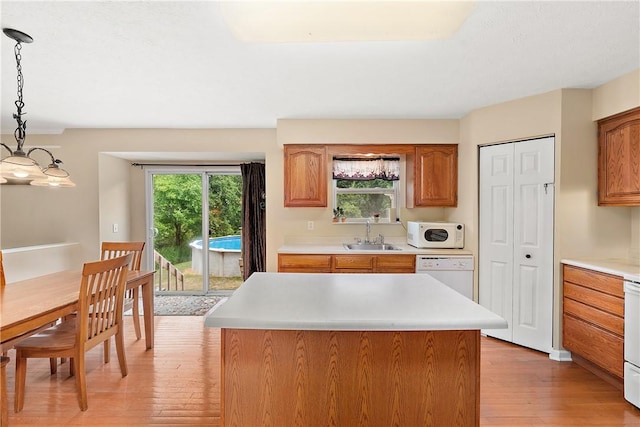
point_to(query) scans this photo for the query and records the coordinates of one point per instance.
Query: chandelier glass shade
(19, 167)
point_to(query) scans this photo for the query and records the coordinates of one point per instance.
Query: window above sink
(366, 187)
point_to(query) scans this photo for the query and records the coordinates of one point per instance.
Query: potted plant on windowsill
(338, 214)
(376, 216)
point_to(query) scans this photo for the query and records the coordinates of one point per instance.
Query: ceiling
(164, 64)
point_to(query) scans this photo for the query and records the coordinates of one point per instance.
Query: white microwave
(443, 235)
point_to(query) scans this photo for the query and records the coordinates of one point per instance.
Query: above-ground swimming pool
(224, 256)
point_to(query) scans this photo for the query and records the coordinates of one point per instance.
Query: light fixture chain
(20, 77)
(21, 132)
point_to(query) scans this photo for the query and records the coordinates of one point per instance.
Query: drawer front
(353, 270)
(604, 302)
(595, 280)
(360, 262)
(607, 321)
(304, 263)
(632, 384)
(594, 344)
(394, 263)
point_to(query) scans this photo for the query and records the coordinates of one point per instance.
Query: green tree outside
(363, 205)
(178, 211)
(225, 213)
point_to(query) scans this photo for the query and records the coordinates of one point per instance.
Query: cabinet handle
(527, 256)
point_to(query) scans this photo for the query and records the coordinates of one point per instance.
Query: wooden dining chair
(7, 345)
(3, 366)
(99, 317)
(3, 281)
(4, 408)
(132, 296)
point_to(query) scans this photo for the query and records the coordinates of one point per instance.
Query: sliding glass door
(178, 216)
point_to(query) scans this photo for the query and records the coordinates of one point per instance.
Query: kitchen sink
(371, 247)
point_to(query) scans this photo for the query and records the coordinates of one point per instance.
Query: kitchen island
(350, 349)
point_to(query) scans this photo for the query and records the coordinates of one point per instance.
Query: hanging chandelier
(20, 167)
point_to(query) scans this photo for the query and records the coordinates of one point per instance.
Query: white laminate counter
(628, 270)
(350, 302)
(338, 248)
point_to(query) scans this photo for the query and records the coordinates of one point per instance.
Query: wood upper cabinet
(305, 176)
(435, 180)
(619, 159)
(431, 181)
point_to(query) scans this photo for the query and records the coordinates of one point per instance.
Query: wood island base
(350, 378)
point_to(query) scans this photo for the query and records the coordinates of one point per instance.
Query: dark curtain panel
(254, 243)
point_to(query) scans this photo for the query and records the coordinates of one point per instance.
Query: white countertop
(350, 302)
(625, 268)
(338, 248)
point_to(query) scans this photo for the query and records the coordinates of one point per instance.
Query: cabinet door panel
(619, 159)
(363, 263)
(396, 264)
(292, 263)
(436, 175)
(594, 344)
(608, 303)
(609, 322)
(305, 176)
(597, 281)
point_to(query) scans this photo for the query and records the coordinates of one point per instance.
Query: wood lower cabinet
(353, 263)
(346, 263)
(396, 264)
(304, 263)
(619, 159)
(350, 378)
(593, 319)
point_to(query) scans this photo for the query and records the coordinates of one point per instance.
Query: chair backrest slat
(116, 249)
(101, 297)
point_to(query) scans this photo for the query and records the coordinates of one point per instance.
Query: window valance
(386, 168)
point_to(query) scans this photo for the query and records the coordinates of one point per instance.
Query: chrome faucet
(366, 239)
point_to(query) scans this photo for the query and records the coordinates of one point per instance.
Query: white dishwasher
(455, 271)
(632, 341)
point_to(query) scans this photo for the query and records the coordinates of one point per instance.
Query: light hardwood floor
(178, 384)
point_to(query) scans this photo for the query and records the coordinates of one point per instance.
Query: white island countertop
(350, 302)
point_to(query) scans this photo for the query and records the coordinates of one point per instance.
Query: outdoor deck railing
(167, 274)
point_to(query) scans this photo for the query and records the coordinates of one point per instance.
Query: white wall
(582, 228)
(616, 96)
(611, 98)
(33, 261)
(84, 214)
(293, 221)
(114, 198)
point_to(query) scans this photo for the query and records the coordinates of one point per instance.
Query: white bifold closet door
(516, 239)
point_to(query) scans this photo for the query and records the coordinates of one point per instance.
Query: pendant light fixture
(19, 167)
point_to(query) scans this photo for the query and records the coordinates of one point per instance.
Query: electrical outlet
(114, 228)
(310, 225)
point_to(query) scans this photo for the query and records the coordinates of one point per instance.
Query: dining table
(28, 305)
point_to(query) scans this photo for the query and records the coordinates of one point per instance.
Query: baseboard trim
(560, 355)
